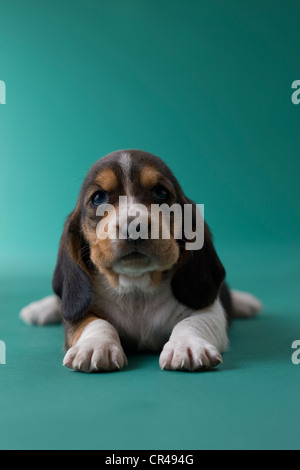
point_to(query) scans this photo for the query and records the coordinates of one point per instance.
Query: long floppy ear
(71, 279)
(197, 281)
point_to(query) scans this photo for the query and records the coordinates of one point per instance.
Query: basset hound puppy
(116, 294)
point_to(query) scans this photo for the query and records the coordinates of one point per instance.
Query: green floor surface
(250, 402)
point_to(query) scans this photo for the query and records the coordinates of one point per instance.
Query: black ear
(71, 279)
(197, 281)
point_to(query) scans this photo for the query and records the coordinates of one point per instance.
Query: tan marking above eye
(107, 180)
(149, 177)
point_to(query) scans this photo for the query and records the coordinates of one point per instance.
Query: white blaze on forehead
(125, 164)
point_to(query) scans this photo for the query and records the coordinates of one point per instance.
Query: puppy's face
(131, 183)
(137, 178)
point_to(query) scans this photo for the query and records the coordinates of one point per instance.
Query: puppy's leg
(42, 312)
(95, 347)
(196, 342)
(245, 305)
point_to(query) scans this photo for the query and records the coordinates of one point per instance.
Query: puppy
(124, 292)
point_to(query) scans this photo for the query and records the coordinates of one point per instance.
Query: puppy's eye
(100, 197)
(160, 192)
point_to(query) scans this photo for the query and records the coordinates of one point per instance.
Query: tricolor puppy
(121, 293)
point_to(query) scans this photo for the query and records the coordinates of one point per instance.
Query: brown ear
(71, 279)
(199, 275)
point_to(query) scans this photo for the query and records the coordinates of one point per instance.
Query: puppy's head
(117, 228)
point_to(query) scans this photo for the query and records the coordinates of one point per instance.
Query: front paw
(92, 355)
(189, 354)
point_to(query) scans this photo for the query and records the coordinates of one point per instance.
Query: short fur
(177, 305)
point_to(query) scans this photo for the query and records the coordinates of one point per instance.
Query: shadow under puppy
(151, 294)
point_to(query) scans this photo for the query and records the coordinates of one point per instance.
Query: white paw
(42, 312)
(245, 305)
(92, 355)
(191, 354)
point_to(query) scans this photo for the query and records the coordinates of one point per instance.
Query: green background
(206, 85)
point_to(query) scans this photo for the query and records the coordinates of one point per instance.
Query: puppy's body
(143, 314)
(150, 295)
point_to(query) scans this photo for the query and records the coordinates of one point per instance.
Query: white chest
(144, 317)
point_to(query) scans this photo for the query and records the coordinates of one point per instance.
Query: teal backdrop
(205, 85)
